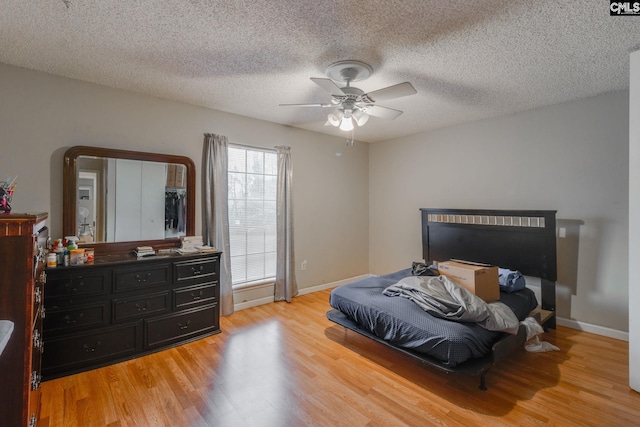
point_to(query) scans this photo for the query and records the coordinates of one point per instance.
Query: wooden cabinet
(23, 240)
(122, 307)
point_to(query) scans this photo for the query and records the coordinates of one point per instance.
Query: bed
(523, 240)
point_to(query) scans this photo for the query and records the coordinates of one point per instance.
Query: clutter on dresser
(166, 251)
(6, 193)
(144, 251)
(65, 252)
(194, 245)
(52, 261)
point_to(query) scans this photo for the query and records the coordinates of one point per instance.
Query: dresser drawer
(165, 330)
(196, 270)
(90, 348)
(76, 284)
(78, 316)
(130, 279)
(190, 296)
(128, 308)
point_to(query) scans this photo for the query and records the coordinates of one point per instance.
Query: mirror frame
(69, 194)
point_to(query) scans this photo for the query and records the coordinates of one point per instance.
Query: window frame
(247, 148)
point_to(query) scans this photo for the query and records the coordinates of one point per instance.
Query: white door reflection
(86, 215)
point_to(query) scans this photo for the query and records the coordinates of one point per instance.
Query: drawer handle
(142, 307)
(77, 288)
(88, 349)
(197, 271)
(69, 321)
(184, 326)
(197, 296)
(36, 338)
(36, 378)
(142, 279)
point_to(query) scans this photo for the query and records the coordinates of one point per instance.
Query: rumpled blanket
(443, 298)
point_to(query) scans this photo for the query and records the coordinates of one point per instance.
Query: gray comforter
(443, 298)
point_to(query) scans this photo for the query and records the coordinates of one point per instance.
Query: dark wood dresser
(123, 307)
(23, 239)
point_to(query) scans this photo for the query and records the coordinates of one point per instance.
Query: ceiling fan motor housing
(348, 71)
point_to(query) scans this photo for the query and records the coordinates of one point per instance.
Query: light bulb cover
(333, 119)
(361, 118)
(346, 124)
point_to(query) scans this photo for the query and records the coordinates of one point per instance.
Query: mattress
(402, 323)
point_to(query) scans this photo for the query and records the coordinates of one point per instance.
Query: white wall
(634, 228)
(570, 157)
(360, 210)
(41, 116)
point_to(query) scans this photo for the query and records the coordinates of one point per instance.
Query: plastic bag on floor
(533, 343)
(532, 326)
(537, 346)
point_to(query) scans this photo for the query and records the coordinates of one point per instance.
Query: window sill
(255, 284)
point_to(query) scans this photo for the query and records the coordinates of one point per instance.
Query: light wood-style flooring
(280, 365)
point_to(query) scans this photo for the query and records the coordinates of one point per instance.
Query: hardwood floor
(284, 364)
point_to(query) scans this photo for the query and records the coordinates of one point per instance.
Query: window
(252, 214)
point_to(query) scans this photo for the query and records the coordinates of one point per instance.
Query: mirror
(116, 196)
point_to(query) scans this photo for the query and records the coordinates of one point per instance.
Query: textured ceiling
(467, 59)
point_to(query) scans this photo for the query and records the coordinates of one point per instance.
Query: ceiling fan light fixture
(360, 117)
(346, 124)
(334, 119)
(351, 105)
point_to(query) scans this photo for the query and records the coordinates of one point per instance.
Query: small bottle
(72, 244)
(60, 252)
(52, 260)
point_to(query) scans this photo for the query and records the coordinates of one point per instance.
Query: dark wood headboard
(523, 240)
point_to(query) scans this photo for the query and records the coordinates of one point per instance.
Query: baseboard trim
(594, 329)
(332, 284)
(316, 288)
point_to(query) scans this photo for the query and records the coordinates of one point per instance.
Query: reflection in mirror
(125, 196)
(124, 200)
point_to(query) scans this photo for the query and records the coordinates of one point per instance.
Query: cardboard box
(480, 279)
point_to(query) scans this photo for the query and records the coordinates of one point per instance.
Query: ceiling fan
(352, 104)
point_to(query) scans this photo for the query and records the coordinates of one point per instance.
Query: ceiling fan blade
(392, 92)
(383, 112)
(307, 105)
(328, 85)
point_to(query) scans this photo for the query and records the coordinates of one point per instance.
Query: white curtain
(286, 286)
(215, 228)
